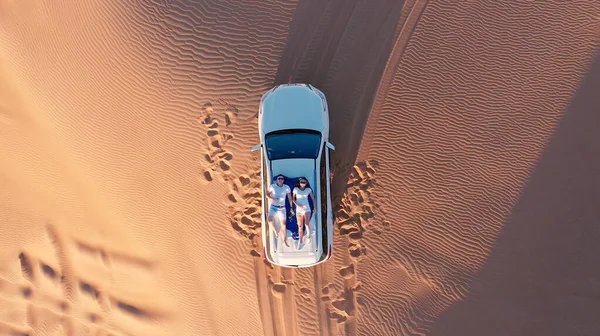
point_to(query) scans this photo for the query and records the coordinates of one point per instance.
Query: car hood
(289, 107)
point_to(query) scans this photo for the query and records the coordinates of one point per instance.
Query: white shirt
(302, 195)
(278, 193)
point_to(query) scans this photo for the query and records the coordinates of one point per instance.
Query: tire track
(262, 271)
(322, 288)
(327, 58)
(274, 296)
(413, 9)
(289, 301)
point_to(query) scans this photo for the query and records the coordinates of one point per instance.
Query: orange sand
(465, 176)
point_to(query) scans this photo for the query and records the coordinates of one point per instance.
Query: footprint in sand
(356, 208)
(354, 217)
(217, 158)
(231, 112)
(345, 305)
(69, 287)
(206, 115)
(245, 198)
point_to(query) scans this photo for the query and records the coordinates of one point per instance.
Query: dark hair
(297, 184)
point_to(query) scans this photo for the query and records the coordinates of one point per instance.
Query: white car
(293, 122)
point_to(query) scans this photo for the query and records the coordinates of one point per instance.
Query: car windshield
(293, 144)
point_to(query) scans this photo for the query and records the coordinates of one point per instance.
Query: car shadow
(542, 276)
(341, 47)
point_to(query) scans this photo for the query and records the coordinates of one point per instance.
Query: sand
(466, 174)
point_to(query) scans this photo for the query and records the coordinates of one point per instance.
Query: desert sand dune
(478, 96)
(129, 199)
(116, 150)
(541, 273)
(322, 49)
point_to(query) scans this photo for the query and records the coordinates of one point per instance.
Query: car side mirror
(255, 148)
(330, 146)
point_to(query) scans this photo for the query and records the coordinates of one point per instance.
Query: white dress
(302, 200)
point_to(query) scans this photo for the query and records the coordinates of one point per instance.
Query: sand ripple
(479, 91)
(132, 199)
(119, 92)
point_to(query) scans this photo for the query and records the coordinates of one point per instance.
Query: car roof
(292, 106)
(294, 168)
(308, 255)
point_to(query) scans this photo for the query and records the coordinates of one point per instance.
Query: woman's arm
(312, 195)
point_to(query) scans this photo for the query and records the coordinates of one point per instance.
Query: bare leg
(282, 221)
(272, 226)
(307, 221)
(299, 219)
(284, 234)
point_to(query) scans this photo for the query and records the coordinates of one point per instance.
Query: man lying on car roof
(277, 193)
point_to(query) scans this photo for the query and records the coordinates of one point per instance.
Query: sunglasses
(280, 178)
(302, 182)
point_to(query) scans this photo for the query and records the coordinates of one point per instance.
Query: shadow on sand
(543, 275)
(341, 47)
